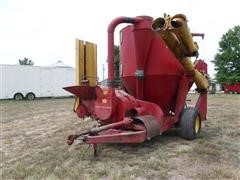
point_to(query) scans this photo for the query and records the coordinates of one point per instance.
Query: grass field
(33, 136)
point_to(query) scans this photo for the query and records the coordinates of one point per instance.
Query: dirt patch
(33, 135)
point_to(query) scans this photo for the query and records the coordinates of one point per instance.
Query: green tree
(227, 59)
(116, 62)
(26, 61)
(116, 65)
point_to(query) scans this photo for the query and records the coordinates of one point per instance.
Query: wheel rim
(197, 125)
(30, 96)
(18, 97)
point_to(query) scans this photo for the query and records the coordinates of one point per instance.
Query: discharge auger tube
(176, 34)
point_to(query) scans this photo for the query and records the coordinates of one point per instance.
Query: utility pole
(103, 71)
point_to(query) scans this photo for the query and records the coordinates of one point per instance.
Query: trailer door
(46, 82)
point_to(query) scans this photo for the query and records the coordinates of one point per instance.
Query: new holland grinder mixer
(156, 75)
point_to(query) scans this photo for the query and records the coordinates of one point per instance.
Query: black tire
(190, 123)
(18, 96)
(30, 96)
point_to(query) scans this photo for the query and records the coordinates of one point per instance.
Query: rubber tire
(30, 96)
(187, 123)
(18, 96)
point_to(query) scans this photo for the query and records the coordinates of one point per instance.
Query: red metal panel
(201, 66)
(202, 105)
(234, 88)
(142, 49)
(84, 91)
(117, 136)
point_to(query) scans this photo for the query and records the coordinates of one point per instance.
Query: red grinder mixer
(156, 74)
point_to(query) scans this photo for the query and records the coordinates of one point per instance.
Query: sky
(45, 30)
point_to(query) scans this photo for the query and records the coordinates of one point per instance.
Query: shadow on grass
(146, 146)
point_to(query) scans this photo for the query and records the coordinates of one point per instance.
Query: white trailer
(24, 81)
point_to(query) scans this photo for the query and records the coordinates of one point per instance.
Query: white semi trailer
(30, 82)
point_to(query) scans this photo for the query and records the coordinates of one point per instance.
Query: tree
(26, 61)
(116, 65)
(227, 59)
(116, 62)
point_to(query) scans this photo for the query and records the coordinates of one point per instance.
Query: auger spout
(176, 34)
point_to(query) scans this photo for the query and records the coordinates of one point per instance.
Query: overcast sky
(45, 30)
